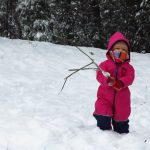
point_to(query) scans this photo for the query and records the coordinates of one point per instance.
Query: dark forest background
(77, 22)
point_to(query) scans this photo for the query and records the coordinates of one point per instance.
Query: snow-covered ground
(33, 116)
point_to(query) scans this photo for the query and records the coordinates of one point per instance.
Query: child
(112, 107)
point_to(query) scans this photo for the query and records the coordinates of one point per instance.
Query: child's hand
(111, 81)
(118, 85)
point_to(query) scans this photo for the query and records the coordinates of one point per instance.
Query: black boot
(121, 126)
(103, 122)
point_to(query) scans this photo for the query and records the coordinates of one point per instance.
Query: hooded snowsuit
(110, 102)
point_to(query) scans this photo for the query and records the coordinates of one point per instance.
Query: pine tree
(74, 22)
(143, 30)
(8, 25)
(3, 19)
(114, 17)
(34, 18)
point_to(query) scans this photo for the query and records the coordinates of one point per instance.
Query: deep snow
(34, 117)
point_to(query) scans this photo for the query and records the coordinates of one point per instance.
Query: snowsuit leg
(121, 126)
(103, 122)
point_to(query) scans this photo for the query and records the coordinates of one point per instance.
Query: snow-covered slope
(34, 117)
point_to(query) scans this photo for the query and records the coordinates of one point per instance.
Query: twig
(104, 73)
(90, 59)
(83, 69)
(72, 74)
(79, 69)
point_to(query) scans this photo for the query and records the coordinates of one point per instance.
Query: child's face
(120, 46)
(120, 52)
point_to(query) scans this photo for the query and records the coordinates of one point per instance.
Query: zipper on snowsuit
(116, 77)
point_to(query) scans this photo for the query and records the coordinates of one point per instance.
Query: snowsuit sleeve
(129, 77)
(100, 77)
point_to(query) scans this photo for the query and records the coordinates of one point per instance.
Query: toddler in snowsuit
(112, 107)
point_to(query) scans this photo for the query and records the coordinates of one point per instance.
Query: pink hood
(118, 36)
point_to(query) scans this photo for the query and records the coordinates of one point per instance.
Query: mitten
(111, 81)
(118, 85)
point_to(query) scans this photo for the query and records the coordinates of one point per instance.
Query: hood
(116, 37)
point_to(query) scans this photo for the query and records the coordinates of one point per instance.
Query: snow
(33, 116)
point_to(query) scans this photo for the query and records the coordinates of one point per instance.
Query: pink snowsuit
(111, 102)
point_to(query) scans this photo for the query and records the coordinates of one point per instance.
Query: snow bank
(34, 117)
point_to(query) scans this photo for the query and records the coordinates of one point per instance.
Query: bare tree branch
(79, 70)
(104, 73)
(84, 68)
(72, 74)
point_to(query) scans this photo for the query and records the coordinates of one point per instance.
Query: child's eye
(124, 49)
(117, 48)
